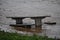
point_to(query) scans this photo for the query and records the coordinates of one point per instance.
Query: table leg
(38, 23)
(19, 21)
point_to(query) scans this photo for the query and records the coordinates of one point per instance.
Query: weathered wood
(38, 23)
(29, 17)
(19, 21)
(21, 25)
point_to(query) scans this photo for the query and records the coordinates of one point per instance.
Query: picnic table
(38, 20)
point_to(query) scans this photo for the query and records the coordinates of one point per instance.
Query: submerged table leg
(19, 21)
(38, 23)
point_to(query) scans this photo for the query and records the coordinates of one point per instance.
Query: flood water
(52, 30)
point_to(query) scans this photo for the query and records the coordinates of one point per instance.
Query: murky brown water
(33, 30)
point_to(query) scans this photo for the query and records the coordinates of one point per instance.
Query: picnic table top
(30, 17)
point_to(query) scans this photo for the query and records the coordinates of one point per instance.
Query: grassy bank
(15, 36)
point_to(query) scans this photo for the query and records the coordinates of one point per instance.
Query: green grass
(15, 36)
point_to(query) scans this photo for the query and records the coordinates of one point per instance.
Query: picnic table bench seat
(22, 25)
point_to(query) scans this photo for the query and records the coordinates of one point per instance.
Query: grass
(15, 36)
